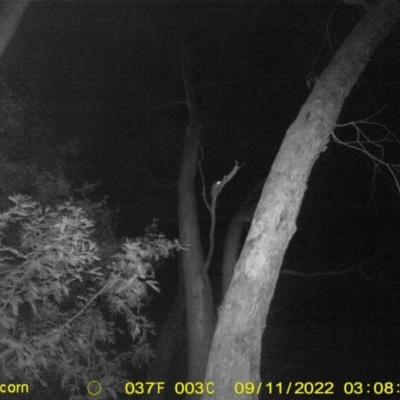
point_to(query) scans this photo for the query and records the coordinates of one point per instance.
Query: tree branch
(216, 189)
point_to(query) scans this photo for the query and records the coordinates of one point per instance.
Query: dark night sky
(112, 74)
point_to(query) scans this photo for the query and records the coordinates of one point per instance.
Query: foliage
(58, 302)
(104, 233)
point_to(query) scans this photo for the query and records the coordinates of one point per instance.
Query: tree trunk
(236, 347)
(11, 12)
(198, 295)
(232, 245)
(169, 347)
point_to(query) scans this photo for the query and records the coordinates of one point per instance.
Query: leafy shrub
(58, 297)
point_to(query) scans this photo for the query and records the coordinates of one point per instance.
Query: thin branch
(355, 268)
(95, 296)
(202, 176)
(156, 182)
(383, 285)
(362, 140)
(216, 189)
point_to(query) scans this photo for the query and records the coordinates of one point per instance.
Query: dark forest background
(108, 76)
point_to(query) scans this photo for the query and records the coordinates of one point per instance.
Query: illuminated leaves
(56, 293)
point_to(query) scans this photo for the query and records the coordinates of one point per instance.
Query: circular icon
(94, 388)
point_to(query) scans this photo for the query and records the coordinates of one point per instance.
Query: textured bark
(232, 245)
(236, 347)
(11, 12)
(198, 296)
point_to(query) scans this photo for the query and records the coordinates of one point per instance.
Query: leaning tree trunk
(198, 295)
(236, 347)
(233, 243)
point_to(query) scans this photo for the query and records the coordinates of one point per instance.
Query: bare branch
(216, 189)
(356, 267)
(202, 177)
(156, 182)
(362, 141)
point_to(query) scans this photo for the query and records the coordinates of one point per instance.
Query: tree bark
(198, 295)
(11, 12)
(232, 245)
(236, 347)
